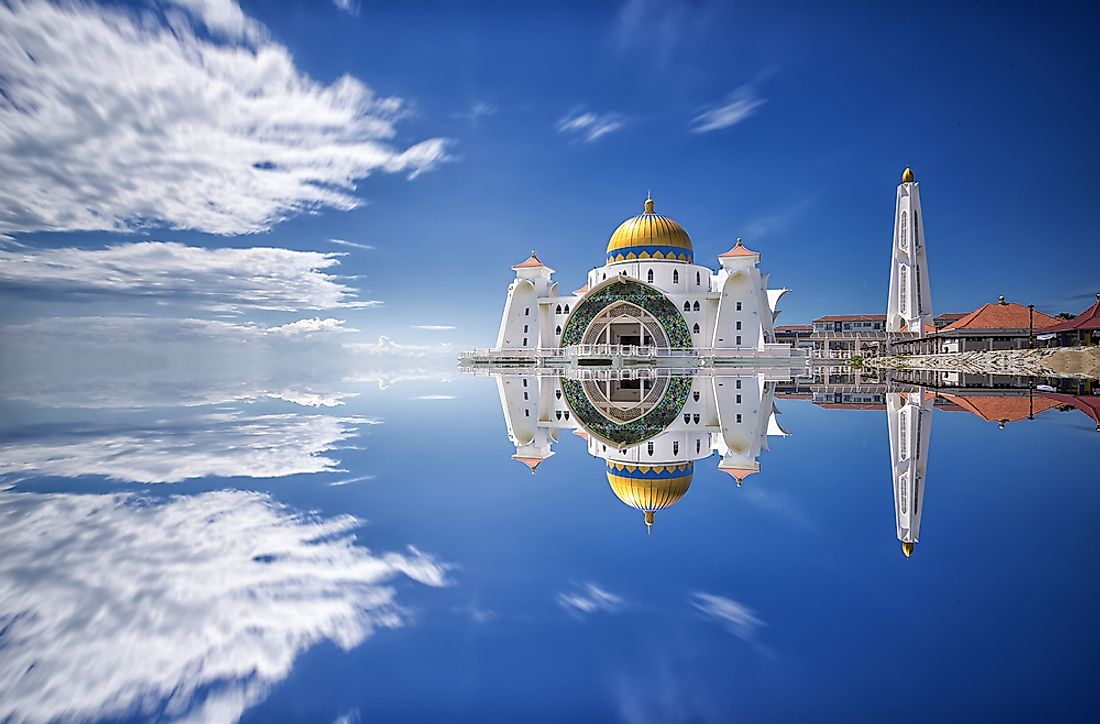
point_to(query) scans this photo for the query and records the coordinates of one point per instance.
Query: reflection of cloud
(224, 445)
(220, 279)
(738, 619)
(591, 127)
(738, 106)
(114, 606)
(112, 120)
(590, 599)
(434, 327)
(386, 347)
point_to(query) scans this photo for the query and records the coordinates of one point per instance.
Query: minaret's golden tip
(907, 549)
(907, 176)
(649, 520)
(649, 203)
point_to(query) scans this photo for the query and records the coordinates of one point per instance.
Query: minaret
(909, 307)
(909, 417)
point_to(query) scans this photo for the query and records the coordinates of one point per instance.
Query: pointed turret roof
(739, 249)
(739, 474)
(531, 262)
(530, 462)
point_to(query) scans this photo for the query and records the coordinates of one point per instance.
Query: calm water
(387, 559)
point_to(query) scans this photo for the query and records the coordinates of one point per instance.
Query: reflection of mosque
(649, 428)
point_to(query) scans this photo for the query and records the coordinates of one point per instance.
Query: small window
(525, 383)
(525, 329)
(557, 309)
(526, 413)
(567, 309)
(739, 417)
(567, 414)
(649, 448)
(605, 275)
(698, 445)
(695, 307)
(738, 385)
(739, 325)
(557, 394)
(698, 279)
(739, 399)
(687, 306)
(739, 306)
(675, 276)
(695, 418)
(524, 341)
(649, 276)
(695, 395)
(687, 417)
(527, 311)
(525, 395)
(557, 330)
(557, 414)
(675, 447)
(695, 329)
(738, 340)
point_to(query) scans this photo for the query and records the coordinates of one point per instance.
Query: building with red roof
(1083, 329)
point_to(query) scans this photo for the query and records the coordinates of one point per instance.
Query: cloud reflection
(191, 607)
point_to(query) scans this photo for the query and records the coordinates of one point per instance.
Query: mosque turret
(909, 418)
(909, 306)
(525, 320)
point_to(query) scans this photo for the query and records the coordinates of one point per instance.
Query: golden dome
(907, 176)
(650, 236)
(907, 549)
(649, 488)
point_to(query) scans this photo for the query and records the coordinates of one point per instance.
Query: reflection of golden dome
(907, 549)
(649, 236)
(907, 176)
(649, 488)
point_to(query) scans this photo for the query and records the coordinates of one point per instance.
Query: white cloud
(386, 347)
(352, 244)
(349, 481)
(434, 327)
(588, 126)
(109, 120)
(222, 445)
(476, 111)
(348, 6)
(219, 279)
(590, 599)
(737, 618)
(738, 106)
(115, 606)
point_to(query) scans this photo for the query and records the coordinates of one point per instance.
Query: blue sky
(452, 139)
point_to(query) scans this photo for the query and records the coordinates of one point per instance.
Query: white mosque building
(650, 430)
(649, 293)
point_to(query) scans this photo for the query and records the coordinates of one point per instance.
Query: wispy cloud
(434, 327)
(224, 445)
(590, 127)
(219, 279)
(386, 347)
(351, 7)
(737, 618)
(349, 481)
(738, 106)
(112, 120)
(352, 244)
(188, 607)
(590, 599)
(476, 111)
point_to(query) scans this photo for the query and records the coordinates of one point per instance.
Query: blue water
(441, 580)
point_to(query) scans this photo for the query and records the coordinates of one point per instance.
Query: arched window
(695, 395)
(649, 276)
(695, 418)
(698, 445)
(695, 328)
(605, 275)
(687, 306)
(675, 276)
(527, 311)
(675, 447)
(687, 418)
(567, 414)
(698, 279)
(557, 394)
(557, 309)
(557, 330)
(695, 307)
(903, 232)
(557, 414)
(567, 309)
(649, 448)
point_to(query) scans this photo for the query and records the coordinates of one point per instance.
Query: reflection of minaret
(746, 413)
(909, 416)
(909, 308)
(521, 398)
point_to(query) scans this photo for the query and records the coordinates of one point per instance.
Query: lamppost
(1030, 326)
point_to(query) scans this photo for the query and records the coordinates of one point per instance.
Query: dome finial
(648, 203)
(907, 549)
(907, 176)
(649, 522)
(739, 242)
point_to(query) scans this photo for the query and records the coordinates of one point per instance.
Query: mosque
(649, 429)
(648, 298)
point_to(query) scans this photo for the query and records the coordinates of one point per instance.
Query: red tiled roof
(949, 316)
(852, 318)
(1000, 316)
(852, 405)
(1002, 408)
(795, 395)
(1088, 319)
(531, 262)
(739, 249)
(1089, 405)
(581, 433)
(739, 474)
(582, 290)
(532, 463)
(795, 328)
